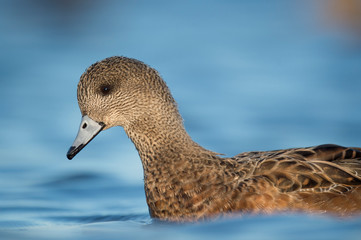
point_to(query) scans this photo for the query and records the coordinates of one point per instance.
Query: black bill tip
(74, 151)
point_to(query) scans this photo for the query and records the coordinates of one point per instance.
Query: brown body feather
(322, 179)
(184, 181)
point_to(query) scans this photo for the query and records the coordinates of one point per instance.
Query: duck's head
(117, 91)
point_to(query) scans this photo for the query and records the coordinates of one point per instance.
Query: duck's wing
(324, 168)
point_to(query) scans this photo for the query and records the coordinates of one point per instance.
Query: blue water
(247, 75)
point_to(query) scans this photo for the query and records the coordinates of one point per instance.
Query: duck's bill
(87, 131)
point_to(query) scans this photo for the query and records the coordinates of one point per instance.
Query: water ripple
(141, 218)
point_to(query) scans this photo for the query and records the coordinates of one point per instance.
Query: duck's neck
(163, 143)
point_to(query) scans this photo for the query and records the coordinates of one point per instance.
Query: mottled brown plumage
(184, 181)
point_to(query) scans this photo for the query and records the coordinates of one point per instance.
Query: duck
(184, 181)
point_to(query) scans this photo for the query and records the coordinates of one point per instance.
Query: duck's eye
(105, 89)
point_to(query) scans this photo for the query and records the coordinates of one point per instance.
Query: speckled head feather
(117, 89)
(183, 181)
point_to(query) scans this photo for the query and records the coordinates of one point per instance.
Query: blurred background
(247, 75)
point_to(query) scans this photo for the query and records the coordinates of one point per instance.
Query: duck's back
(325, 178)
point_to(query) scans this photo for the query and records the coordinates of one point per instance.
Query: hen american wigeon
(185, 182)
